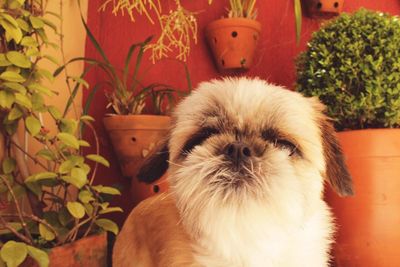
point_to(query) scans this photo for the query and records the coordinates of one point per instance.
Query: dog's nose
(237, 151)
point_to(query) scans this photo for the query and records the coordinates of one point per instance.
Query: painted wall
(274, 58)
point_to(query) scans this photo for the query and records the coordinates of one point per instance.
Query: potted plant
(66, 208)
(323, 8)
(234, 39)
(353, 65)
(133, 134)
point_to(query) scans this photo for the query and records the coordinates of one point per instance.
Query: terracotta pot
(141, 191)
(369, 222)
(233, 42)
(323, 8)
(90, 251)
(133, 137)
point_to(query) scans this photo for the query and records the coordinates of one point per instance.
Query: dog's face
(239, 139)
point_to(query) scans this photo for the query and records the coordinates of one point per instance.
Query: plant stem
(35, 205)
(35, 160)
(19, 212)
(36, 219)
(15, 232)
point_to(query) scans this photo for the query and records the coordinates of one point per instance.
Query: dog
(247, 162)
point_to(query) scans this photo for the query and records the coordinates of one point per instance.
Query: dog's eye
(198, 138)
(286, 145)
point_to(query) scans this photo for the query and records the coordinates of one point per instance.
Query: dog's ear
(156, 164)
(336, 172)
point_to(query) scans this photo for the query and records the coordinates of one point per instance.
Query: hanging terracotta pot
(233, 42)
(133, 137)
(89, 251)
(369, 222)
(141, 191)
(323, 8)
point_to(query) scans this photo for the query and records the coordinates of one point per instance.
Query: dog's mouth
(235, 176)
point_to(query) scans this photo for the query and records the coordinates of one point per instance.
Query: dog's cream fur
(270, 213)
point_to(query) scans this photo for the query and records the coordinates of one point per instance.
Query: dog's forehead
(245, 103)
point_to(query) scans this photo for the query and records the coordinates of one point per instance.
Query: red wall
(274, 58)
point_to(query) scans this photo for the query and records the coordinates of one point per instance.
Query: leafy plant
(126, 94)
(59, 215)
(353, 65)
(246, 9)
(242, 9)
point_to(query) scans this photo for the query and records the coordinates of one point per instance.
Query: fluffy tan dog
(247, 163)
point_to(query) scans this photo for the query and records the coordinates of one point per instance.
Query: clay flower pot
(133, 137)
(323, 8)
(141, 191)
(369, 222)
(233, 42)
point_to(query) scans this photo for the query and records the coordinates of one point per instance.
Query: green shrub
(352, 64)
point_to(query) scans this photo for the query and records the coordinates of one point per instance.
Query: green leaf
(106, 190)
(23, 100)
(36, 87)
(19, 59)
(66, 166)
(87, 118)
(78, 175)
(13, 253)
(37, 23)
(6, 99)
(46, 154)
(40, 256)
(17, 87)
(8, 165)
(68, 140)
(76, 209)
(14, 114)
(47, 74)
(89, 209)
(107, 225)
(41, 176)
(9, 19)
(46, 233)
(33, 125)
(11, 77)
(109, 210)
(12, 31)
(98, 159)
(4, 61)
(68, 125)
(38, 104)
(83, 143)
(54, 112)
(28, 41)
(23, 25)
(85, 196)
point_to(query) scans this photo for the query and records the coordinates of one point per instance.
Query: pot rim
(234, 22)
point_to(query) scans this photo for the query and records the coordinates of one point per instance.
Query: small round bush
(353, 65)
